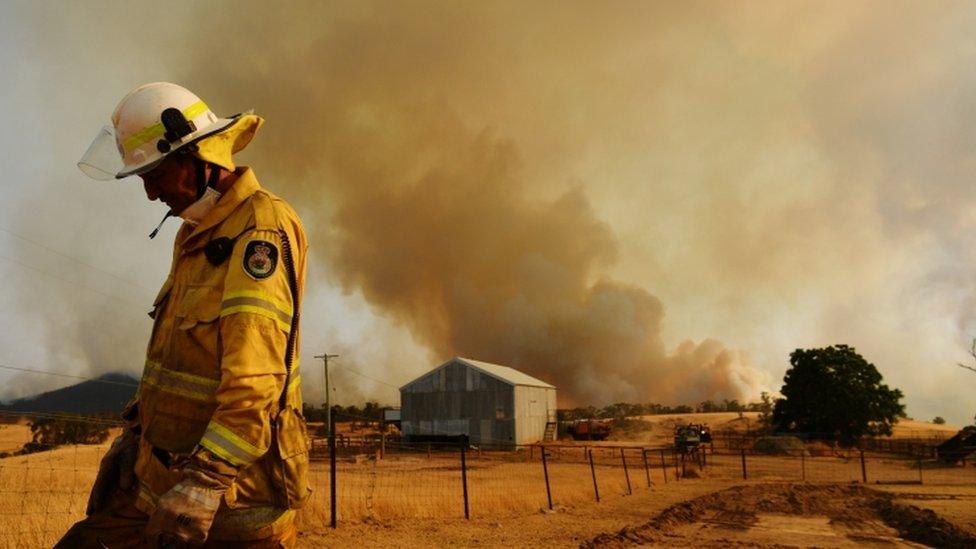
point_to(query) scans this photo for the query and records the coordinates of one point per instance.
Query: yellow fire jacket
(211, 392)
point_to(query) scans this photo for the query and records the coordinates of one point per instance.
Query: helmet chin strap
(200, 167)
(202, 180)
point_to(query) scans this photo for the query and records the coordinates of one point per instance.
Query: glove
(186, 511)
(116, 471)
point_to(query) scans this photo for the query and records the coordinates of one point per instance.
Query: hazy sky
(634, 201)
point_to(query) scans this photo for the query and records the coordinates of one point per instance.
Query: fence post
(382, 444)
(864, 469)
(332, 466)
(596, 489)
(674, 453)
(545, 472)
(684, 473)
(803, 465)
(464, 473)
(626, 473)
(647, 470)
(745, 476)
(664, 467)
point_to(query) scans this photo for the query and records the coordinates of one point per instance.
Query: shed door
(485, 432)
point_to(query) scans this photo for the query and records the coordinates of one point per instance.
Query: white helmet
(150, 123)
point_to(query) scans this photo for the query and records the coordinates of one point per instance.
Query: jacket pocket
(199, 304)
(195, 346)
(288, 468)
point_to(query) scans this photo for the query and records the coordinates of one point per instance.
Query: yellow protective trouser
(119, 525)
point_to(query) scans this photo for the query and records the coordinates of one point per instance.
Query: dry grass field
(42, 494)
(14, 435)
(412, 499)
(661, 430)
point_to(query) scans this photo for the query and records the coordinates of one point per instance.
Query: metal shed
(494, 405)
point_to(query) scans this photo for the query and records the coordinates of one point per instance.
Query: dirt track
(778, 515)
(705, 513)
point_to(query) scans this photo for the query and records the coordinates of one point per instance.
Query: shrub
(630, 427)
(50, 432)
(780, 445)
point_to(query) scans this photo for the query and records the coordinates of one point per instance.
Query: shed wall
(534, 407)
(458, 399)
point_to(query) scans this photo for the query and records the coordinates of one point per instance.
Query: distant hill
(106, 394)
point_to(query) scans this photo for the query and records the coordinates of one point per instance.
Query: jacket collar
(242, 189)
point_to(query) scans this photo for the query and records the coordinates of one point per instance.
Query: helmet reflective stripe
(139, 126)
(141, 137)
(157, 130)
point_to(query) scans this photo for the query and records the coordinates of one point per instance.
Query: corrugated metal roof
(503, 373)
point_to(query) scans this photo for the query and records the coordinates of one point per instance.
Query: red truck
(590, 429)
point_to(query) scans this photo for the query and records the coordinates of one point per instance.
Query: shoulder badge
(260, 259)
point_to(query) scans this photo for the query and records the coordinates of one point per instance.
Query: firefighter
(214, 449)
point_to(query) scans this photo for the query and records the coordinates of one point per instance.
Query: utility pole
(328, 395)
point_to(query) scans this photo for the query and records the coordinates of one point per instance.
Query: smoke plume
(598, 194)
(428, 213)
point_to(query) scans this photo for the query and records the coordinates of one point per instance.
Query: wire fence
(44, 486)
(380, 478)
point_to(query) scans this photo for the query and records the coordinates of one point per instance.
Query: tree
(707, 407)
(732, 405)
(833, 393)
(939, 420)
(576, 413)
(765, 409)
(972, 352)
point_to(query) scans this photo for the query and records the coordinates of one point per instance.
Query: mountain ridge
(106, 394)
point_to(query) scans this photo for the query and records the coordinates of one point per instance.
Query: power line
(58, 374)
(75, 259)
(60, 415)
(373, 379)
(56, 277)
(136, 385)
(397, 387)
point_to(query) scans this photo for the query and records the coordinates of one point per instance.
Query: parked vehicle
(591, 429)
(687, 438)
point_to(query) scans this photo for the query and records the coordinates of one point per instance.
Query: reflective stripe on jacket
(215, 365)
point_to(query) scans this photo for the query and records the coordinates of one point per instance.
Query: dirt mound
(857, 512)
